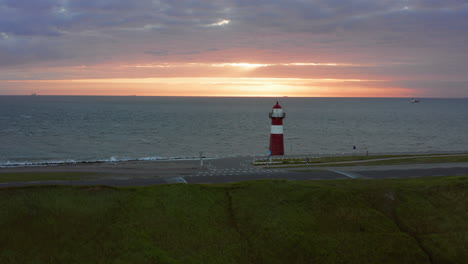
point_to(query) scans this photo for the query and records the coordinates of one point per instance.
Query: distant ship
(414, 100)
(33, 94)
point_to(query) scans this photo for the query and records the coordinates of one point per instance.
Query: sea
(45, 130)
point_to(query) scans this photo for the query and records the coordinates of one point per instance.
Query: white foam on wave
(152, 158)
(10, 164)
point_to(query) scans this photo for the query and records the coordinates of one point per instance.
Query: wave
(44, 163)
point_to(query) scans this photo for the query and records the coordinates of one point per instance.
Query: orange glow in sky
(255, 87)
(231, 48)
(273, 79)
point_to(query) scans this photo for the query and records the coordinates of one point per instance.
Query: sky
(316, 48)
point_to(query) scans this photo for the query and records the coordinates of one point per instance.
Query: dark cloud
(412, 22)
(424, 37)
(54, 17)
(31, 6)
(31, 18)
(436, 4)
(108, 5)
(14, 53)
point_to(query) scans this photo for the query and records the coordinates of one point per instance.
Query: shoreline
(28, 164)
(219, 170)
(165, 167)
(71, 162)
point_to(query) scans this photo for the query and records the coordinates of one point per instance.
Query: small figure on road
(307, 160)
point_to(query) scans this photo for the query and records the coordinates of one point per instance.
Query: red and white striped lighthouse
(276, 136)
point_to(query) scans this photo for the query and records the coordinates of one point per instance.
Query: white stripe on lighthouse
(276, 129)
(277, 112)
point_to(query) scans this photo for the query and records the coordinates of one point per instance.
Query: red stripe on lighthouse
(276, 136)
(276, 144)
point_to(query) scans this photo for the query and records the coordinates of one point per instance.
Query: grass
(396, 161)
(333, 159)
(45, 176)
(421, 160)
(417, 220)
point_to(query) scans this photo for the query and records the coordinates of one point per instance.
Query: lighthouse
(276, 136)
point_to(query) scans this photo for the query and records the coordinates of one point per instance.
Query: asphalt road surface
(237, 176)
(380, 174)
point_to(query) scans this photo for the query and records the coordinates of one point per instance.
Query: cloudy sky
(359, 48)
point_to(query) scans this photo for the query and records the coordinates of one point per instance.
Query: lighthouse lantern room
(276, 137)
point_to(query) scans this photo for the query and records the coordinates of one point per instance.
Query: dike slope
(418, 220)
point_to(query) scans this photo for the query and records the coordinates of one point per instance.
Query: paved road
(374, 159)
(380, 174)
(288, 175)
(239, 169)
(236, 177)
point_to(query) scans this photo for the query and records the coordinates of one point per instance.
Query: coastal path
(229, 170)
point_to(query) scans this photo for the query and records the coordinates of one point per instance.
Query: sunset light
(233, 131)
(241, 65)
(299, 48)
(220, 23)
(258, 87)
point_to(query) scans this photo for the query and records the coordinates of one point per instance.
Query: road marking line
(176, 180)
(351, 175)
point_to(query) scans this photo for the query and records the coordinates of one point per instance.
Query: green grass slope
(344, 221)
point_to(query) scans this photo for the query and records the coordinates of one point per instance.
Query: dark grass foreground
(344, 221)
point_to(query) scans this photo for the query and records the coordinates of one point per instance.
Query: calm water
(59, 128)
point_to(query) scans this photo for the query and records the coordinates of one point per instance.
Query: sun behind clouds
(258, 87)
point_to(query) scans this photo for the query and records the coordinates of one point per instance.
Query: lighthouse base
(276, 144)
